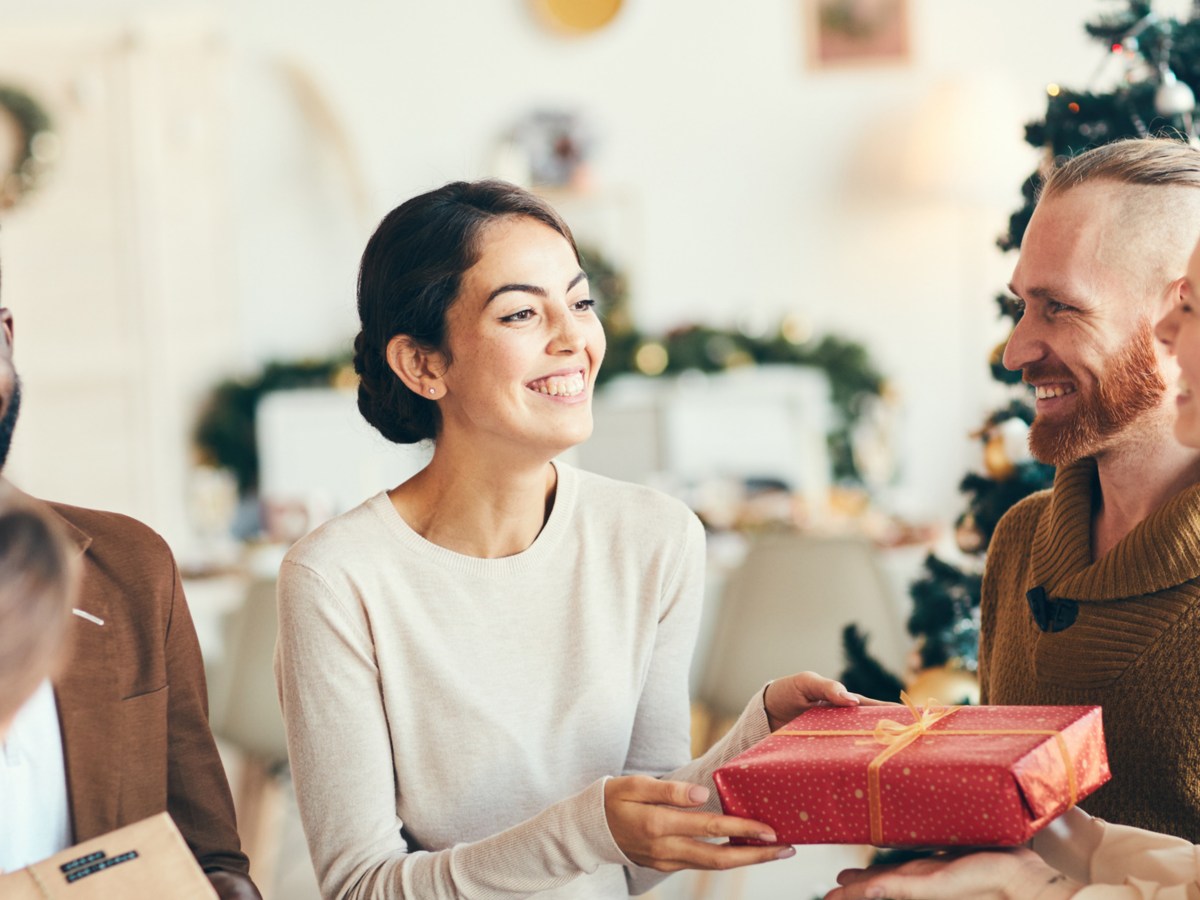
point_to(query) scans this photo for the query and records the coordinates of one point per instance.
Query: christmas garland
(37, 145)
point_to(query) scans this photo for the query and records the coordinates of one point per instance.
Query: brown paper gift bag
(147, 860)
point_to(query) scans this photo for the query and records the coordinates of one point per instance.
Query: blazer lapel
(86, 692)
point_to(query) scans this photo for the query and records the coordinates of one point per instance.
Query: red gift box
(923, 777)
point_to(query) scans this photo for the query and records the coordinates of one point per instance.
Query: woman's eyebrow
(530, 288)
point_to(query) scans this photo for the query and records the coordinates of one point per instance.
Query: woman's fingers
(643, 789)
(653, 825)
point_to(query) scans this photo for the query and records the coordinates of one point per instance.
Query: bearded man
(1091, 593)
(121, 732)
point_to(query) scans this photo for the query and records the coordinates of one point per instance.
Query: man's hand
(786, 698)
(230, 886)
(655, 825)
(990, 875)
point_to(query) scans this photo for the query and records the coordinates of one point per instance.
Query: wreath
(37, 145)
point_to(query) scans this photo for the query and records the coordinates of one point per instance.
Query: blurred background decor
(857, 32)
(28, 145)
(578, 17)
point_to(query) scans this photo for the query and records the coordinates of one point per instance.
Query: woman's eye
(521, 315)
(581, 305)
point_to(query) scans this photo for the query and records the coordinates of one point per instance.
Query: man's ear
(420, 368)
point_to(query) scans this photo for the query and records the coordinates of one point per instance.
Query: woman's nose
(1168, 326)
(568, 336)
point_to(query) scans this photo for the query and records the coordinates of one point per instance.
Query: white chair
(783, 610)
(244, 714)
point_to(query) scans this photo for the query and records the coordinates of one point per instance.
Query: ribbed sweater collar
(1162, 551)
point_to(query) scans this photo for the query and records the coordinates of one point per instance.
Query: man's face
(10, 386)
(1085, 342)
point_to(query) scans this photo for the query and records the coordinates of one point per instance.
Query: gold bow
(891, 732)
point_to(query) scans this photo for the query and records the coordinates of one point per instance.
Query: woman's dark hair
(409, 277)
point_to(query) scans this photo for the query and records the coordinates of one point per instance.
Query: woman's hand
(786, 698)
(990, 875)
(655, 824)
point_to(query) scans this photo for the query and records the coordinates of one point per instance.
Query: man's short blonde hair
(1152, 200)
(1157, 161)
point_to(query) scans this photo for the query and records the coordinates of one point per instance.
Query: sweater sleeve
(661, 737)
(1119, 862)
(341, 756)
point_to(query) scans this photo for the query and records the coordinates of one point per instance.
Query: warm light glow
(1117, 48)
(1053, 90)
(1073, 107)
(796, 329)
(651, 358)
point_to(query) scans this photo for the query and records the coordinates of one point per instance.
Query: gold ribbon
(896, 736)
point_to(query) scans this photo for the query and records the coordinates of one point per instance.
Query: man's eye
(1055, 307)
(520, 315)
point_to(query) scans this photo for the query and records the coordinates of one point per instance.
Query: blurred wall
(866, 199)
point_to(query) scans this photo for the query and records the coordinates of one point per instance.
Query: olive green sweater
(1134, 648)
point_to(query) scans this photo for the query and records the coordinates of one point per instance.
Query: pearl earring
(433, 390)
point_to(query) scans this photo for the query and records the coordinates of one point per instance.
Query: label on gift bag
(147, 860)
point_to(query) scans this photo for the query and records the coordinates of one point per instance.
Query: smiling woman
(1179, 330)
(484, 669)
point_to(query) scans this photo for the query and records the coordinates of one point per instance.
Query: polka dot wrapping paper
(919, 777)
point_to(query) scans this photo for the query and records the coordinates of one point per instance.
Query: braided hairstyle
(410, 276)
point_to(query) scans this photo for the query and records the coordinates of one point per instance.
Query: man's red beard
(1131, 385)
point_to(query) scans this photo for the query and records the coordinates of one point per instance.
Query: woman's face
(1180, 331)
(525, 345)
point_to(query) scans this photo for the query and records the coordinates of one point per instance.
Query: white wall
(758, 185)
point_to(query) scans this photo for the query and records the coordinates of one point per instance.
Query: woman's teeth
(559, 385)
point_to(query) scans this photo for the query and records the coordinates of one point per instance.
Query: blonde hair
(38, 573)
(1156, 161)
(1153, 204)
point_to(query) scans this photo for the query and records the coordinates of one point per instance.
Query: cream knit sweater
(451, 720)
(1134, 648)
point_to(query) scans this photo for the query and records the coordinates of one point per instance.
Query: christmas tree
(1141, 88)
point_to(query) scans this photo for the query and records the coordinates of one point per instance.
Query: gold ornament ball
(947, 685)
(996, 460)
(967, 535)
(997, 357)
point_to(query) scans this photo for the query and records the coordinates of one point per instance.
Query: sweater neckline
(565, 493)
(1162, 551)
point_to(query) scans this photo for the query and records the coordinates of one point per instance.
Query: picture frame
(844, 34)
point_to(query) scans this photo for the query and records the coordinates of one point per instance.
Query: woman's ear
(418, 367)
(1177, 291)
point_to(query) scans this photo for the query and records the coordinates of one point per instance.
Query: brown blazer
(132, 698)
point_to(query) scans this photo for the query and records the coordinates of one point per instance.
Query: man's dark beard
(8, 423)
(1132, 385)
